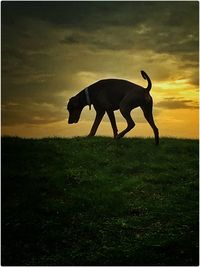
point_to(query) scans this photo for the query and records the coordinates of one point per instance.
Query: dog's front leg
(111, 116)
(96, 123)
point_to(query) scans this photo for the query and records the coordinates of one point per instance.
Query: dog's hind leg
(98, 118)
(130, 123)
(111, 116)
(147, 110)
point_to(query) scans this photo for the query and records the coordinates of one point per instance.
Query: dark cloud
(90, 15)
(163, 27)
(72, 39)
(177, 103)
(97, 14)
(27, 112)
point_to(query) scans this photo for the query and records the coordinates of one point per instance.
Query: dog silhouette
(109, 95)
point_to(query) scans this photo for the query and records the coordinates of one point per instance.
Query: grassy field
(99, 201)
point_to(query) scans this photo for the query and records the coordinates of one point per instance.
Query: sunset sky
(52, 50)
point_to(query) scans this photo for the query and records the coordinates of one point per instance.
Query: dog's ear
(73, 103)
(70, 103)
(71, 98)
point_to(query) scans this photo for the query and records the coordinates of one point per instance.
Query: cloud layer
(52, 50)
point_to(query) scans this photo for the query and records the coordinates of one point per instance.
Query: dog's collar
(88, 98)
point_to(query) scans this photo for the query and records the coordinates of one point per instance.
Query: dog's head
(74, 107)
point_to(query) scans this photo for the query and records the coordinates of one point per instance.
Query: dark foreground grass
(99, 202)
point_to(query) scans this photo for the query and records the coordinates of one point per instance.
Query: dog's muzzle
(73, 120)
(74, 117)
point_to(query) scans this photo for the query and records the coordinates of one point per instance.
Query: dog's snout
(73, 118)
(70, 121)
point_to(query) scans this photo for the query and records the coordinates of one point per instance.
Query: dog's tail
(146, 77)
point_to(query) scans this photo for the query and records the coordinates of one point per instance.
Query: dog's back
(110, 92)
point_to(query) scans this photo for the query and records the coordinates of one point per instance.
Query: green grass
(99, 201)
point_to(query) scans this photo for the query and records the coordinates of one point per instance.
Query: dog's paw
(118, 136)
(90, 135)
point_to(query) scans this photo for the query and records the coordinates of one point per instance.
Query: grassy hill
(99, 201)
